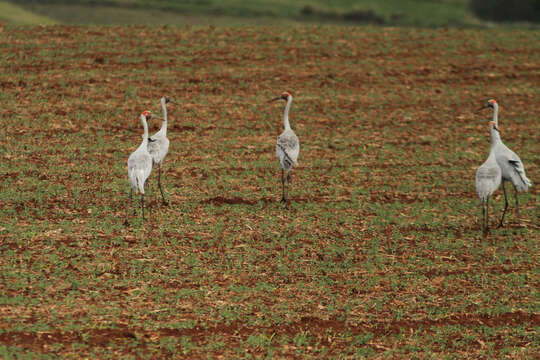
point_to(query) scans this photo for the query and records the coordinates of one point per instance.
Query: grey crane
(158, 144)
(512, 168)
(488, 177)
(287, 148)
(139, 165)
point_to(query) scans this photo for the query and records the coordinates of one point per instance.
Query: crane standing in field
(488, 177)
(287, 148)
(139, 165)
(511, 166)
(158, 145)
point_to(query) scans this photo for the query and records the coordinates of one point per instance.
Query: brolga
(512, 169)
(488, 177)
(287, 148)
(139, 166)
(158, 144)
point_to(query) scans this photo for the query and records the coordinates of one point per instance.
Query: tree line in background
(492, 10)
(507, 10)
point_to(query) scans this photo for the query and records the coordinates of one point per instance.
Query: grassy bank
(16, 15)
(389, 12)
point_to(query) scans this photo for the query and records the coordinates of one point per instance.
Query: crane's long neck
(495, 114)
(164, 123)
(495, 136)
(145, 133)
(286, 114)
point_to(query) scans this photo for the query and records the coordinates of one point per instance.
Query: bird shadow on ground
(220, 200)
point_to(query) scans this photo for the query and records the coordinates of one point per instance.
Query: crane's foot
(126, 222)
(165, 202)
(286, 202)
(500, 225)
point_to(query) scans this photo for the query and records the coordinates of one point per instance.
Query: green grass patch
(17, 15)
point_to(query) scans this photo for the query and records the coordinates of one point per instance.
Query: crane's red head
(492, 124)
(489, 104)
(147, 114)
(285, 96)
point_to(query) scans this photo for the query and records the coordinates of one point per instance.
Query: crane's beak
(482, 108)
(276, 98)
(496, 128)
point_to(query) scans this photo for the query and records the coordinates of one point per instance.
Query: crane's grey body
(139, 166)
(512, 168)
(287, 148)
(158, 145)
(139, 169)
(488, 179)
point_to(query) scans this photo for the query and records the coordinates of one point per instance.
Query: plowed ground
(380, 253)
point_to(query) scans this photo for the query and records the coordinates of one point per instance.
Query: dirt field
(381, 253)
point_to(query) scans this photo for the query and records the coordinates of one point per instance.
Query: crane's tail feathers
(140, 185)
(133, 179)
(137, 181)
(523, 183)
(483, 195)
(287, 159)
(526, 183)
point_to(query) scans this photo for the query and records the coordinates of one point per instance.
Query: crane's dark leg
(142, 205)
(517, 203)
(505, 204)
(288, 187)
(128, 205)
(483, 216)
(283, 186)
(159, 183)
(487, 217)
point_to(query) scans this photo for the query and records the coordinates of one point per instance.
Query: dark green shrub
(507, 10)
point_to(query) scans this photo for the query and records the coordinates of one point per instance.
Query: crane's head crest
(285, 96)
(147, 114)
(491, 103)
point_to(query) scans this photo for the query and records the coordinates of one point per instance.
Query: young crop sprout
(158, 145)
(287, 148)
(139, 166)
(511, 166)
(488, 178)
